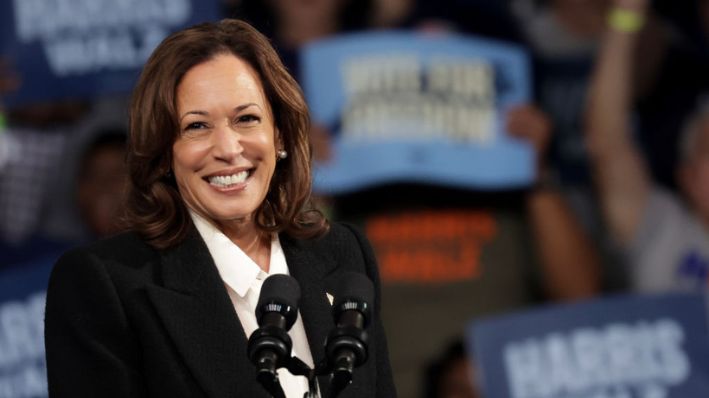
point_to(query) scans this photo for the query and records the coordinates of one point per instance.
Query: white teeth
(225, 181)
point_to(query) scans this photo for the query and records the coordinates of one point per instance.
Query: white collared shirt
(243, 279)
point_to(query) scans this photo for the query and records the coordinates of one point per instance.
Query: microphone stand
(269, 380)
(297, 367)
(268, 376)
(340, 378)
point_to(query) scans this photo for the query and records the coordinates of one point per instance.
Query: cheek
(267, 144)
(188, 156)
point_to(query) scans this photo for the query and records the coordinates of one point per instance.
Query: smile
(229, 180)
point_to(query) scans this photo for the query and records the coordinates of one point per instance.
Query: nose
(226, 143)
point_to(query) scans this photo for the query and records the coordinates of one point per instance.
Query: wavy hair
(155, 208)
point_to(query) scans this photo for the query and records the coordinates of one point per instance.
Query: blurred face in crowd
(456, 382)
(306, 11)
(390, 13)
(694, 173)
(225, 154)
(101, 184)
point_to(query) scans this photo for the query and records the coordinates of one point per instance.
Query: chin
(237, 214)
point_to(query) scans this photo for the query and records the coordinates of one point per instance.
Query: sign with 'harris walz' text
(624, 347)
(82, 48)
(22, 299)
(410, 107)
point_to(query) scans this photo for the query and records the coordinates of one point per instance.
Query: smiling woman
(218, 200)
(225, 154)
(195, 82)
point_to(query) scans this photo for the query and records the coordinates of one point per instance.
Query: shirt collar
(237, 270)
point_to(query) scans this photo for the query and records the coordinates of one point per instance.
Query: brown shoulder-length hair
(155, 208)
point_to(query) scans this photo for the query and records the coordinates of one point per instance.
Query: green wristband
(626, 21)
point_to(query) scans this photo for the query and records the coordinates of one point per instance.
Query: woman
(219, 198)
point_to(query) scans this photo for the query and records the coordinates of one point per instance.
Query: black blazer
(126, 320)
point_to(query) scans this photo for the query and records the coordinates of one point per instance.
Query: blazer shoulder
(342, 235)
(344, 247)
(125, 243)
(125, 250)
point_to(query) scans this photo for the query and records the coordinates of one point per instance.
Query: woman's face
(225, 153)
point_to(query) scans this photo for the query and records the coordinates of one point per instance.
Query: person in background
(669, 79)
(42, 144)
(570, 263)
(523, 247)
(451, 375)
(292, 24)
(562, 37)
(98, 193)
(102, 182)
(32, 140)
(663, 236)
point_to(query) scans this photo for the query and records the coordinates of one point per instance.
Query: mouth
(229, 180)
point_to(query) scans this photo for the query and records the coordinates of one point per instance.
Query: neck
(256, 244)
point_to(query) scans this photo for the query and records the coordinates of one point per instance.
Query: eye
(248, 119)
(195, 126)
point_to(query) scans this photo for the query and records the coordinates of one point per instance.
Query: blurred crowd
(619, 122)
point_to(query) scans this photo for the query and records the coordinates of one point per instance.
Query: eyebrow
(205, 113)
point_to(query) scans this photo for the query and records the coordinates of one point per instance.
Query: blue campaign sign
(78, 49)
(409, 107)
(622, 347)
(22, 300)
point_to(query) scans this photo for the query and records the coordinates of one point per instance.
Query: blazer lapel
(200, 318)
(310, 270)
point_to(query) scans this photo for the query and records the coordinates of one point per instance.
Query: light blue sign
(408, 107)
(22, 301)
(623, 347)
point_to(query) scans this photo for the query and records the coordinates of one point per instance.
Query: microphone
(270, 346)
(346, 346)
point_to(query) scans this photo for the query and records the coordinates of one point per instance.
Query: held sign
(625, 347)
(82, 48)
(22, 301)
(408, 107)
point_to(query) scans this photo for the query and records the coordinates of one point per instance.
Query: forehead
(220, 77)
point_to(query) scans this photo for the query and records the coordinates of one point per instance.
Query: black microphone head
(353, 291)
(279, 293)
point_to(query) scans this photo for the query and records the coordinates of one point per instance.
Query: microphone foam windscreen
(281, 289)
(353, 286)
